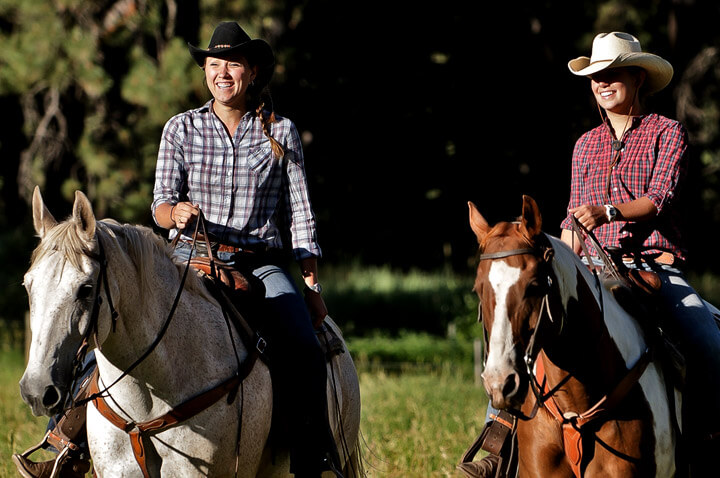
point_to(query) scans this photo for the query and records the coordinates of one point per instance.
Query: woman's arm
(315, 303)
(592, 215)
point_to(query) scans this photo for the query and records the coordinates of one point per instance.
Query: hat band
(220, 46)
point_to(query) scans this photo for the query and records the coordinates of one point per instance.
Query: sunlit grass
(418, 425)
(19, 429)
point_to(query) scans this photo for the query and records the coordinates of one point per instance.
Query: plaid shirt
(653, 164)
(244, 192)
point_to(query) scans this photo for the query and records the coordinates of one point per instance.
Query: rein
(93, 327)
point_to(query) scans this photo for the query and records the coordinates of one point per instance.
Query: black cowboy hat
(229, 38)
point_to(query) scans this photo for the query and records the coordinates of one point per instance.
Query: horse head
(61, 284)
(514, 275)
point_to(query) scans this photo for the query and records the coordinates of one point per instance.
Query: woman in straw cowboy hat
(628, 177)
(242, 166)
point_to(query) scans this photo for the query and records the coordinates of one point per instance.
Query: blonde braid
(277, 149)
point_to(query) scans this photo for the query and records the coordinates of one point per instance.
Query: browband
(511, 252)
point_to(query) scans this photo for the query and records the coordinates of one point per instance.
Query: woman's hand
(316, 306)
(590, 216)
(183, 213)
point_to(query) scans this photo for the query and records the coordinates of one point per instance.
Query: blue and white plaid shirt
(241, 188)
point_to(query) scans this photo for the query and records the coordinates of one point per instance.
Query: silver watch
(610, 212)
(317, 288)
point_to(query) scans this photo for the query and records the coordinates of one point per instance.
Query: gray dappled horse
(195, 354)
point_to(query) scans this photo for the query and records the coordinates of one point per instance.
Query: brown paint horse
(599, 406)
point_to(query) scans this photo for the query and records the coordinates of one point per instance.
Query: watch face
(611, 212)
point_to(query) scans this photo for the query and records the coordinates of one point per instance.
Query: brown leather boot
(485, 468)
(67, 467)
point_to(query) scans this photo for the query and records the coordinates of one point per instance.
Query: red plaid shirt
(653, 163)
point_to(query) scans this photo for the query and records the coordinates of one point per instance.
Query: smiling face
(228, 79)
(616, 89)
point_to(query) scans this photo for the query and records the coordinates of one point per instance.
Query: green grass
(418, 425)
(19, 429)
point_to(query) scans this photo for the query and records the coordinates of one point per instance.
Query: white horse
(195, 353)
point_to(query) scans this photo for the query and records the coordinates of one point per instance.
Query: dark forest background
(407, 110)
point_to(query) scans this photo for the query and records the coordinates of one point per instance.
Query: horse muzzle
(506, 388)
(43, 398)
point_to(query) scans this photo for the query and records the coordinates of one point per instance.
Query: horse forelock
(62, 238)
(502, 234)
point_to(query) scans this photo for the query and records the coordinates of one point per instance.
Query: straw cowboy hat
(228, 38)
(617, 49)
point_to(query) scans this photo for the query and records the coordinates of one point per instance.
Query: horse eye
(535, 288)
(84, 292)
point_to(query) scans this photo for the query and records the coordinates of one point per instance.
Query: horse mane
(142, 245)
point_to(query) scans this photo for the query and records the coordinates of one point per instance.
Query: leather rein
(572, 423)
(190, 407)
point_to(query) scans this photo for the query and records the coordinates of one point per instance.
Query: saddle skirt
(232, 278)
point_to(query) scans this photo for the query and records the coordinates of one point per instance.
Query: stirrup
(497, 438)
(62, 454)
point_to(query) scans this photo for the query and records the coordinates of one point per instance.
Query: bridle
(572, 424)
(546, 255)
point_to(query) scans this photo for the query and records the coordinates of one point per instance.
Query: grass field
(414, 423)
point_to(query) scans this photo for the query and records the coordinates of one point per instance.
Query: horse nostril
(512, 383)
(51, 397)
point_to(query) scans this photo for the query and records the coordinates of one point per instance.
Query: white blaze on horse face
(500, 360)
(55, 324)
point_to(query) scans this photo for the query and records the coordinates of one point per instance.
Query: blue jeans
(693, 327)
(297, 360)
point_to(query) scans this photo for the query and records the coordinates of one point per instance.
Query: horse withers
(567, 360)
(114, 286)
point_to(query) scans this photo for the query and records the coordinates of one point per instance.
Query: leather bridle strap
(503, 254)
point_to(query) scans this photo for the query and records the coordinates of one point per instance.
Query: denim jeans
(297, 361)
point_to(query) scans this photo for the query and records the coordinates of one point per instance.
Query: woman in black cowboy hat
(242, 166)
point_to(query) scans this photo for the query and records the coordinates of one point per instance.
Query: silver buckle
(261, 345)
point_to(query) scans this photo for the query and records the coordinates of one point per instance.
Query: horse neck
(182, 352)
(598, 342)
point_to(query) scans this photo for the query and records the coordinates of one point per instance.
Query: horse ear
(83, 216)
(531, 220)
(42, 219)
(478, 223)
